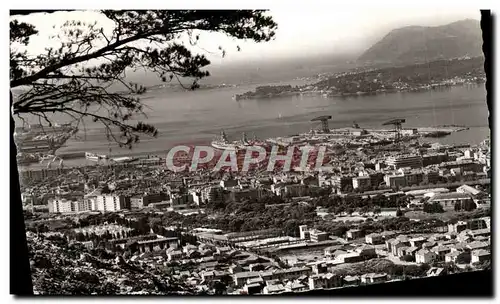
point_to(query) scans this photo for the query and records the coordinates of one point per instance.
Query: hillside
(407, 78)
(420, 44)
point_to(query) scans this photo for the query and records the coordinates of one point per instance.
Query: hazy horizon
(307, 41)
(300, 32)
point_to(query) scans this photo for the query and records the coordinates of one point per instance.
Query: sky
(300, 31)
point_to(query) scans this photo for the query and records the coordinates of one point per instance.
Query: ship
(222, 143)
(94, 157)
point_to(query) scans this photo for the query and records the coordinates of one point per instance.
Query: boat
(222, 143)
(95, 157)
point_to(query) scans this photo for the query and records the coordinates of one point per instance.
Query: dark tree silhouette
(86, 75)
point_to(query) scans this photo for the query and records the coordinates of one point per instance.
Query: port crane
(54, 158)
(397, 123)
(324, 122)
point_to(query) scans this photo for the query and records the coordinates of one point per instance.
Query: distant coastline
(413, 78)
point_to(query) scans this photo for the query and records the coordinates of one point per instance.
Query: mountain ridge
(413, 44)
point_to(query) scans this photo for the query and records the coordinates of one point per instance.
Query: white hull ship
(94, 157)
(222, 143)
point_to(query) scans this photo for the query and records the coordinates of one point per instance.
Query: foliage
(433, 208)
(408, 258)
(467, 206)
(62, 268)
(86, 76)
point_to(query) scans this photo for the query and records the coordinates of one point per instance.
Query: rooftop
(452, 195)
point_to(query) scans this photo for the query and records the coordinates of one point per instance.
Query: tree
(85, 77)
(433, 208)
(408, 258)
(469, 205)
(399, 212)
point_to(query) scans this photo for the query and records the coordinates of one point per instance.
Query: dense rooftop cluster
(378, 215)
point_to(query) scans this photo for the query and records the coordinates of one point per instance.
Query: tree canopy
(79, 78)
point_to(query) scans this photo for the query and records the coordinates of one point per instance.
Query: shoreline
(238, 97)
(79, 157)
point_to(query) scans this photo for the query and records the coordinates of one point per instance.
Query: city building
(434, 159)
(372, 278)
(395, 180)
(354, 234)
(430, 176)
(324, 281)
(312, 234)
(480, 255)
(304, 232)
(272, 289)
(342, 182)
(111, 203)
(374, 239)
(469, 190)
(141, 201)
(179, 201)
(238, 195)
(212, 195)
(318, 236)
(362, 182)
(412, 177)
(404, 161)
(448, 200)
(61, 205)
(425, 256)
